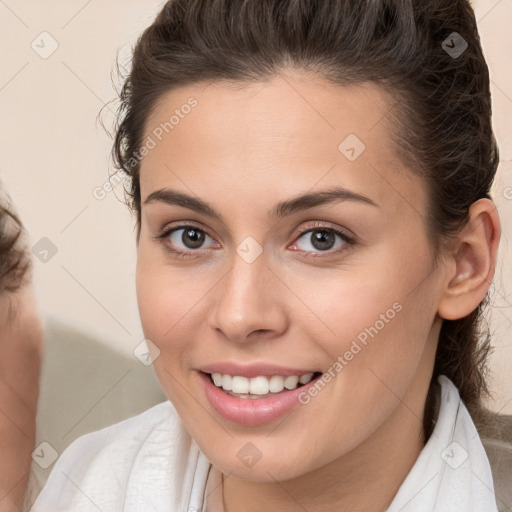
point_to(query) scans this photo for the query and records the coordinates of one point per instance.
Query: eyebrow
(281, 209)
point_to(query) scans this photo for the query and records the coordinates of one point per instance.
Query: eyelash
(349, 240)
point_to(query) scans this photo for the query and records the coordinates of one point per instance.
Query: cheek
(159, 307)
(350, 306)
(369, 321)
(156, 308)
(171, 302)
(163, 314)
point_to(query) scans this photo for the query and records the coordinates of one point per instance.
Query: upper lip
(253, 369)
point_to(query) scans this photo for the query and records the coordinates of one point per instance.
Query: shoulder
(496, 436)
(492, 435)
(495, 432)
(126, 435)
(107, 465)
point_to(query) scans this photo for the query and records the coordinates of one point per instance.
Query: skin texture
(21, 342)
(242, 149)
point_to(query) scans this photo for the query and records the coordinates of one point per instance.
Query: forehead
(291, 133)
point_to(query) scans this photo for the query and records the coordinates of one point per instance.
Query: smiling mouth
(259, 387)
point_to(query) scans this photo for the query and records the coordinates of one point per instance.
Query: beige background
(54, 154)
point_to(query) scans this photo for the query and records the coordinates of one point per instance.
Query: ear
(472, 263)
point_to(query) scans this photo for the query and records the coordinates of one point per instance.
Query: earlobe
(473, 262)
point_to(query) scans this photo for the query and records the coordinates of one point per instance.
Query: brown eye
(184, 240)
(192, 237)
(322, 239)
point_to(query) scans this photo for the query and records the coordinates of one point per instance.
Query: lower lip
(246, 411)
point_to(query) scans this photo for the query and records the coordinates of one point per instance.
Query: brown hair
(442, 120)
(15, 262)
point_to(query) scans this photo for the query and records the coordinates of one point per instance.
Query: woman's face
(269, 290)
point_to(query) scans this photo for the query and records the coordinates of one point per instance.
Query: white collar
(451, 474)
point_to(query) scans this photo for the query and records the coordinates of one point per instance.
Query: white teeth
(291, 382)
(217, 379)
(240, 384)
(276, 384)
(226, 382)
(259, 385)
(304, 379)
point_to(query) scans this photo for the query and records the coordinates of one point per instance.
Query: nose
(247, 303)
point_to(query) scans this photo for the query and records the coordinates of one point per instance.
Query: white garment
(150, 463)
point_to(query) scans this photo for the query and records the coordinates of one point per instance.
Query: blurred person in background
(21, 342)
